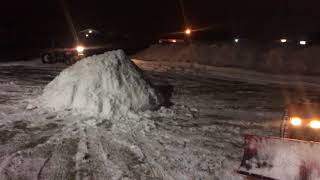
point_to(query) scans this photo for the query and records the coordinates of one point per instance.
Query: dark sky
(41, 20)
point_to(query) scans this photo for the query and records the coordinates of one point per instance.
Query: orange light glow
(188, 31)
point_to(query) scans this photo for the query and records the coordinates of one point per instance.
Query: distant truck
(64, 55)
(90, 42)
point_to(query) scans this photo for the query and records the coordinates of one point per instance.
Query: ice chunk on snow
(103, 85)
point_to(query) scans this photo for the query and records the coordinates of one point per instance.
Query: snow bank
(104, 85)
(289, 59)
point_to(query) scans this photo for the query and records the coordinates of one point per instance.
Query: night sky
(35, 23)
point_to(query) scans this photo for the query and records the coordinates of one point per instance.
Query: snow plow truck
(295, 155)
(86, 38)
(89, 42)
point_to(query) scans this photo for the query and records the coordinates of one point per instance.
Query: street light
(283, 40)
(90, 31)
(236, 40)
(303, 43)
(188, 31)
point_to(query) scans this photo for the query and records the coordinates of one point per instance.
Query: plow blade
(280, 158)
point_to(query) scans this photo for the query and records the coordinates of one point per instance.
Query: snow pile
(104, 85)
(285, 59)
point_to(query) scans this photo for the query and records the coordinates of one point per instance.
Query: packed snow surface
(104, 85)
(197, 137)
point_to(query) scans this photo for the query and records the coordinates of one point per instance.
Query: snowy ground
(198, 136)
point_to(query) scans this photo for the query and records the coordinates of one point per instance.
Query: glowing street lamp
(87, 35)
(187, 31)
(283, 40)
(302, 43)
(90, 31)
(236, 40)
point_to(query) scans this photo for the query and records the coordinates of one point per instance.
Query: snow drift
(268, 58)
(103, 85)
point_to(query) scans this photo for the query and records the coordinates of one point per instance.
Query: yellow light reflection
(315, 124)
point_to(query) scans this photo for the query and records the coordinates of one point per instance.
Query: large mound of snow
(101, 85)
(275, 59)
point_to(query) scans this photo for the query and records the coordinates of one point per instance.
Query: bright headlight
(80, 49)
(295, 121)
(315, 124)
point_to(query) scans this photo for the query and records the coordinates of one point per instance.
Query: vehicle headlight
(315, 124)
(80, 49)
(296, 121)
